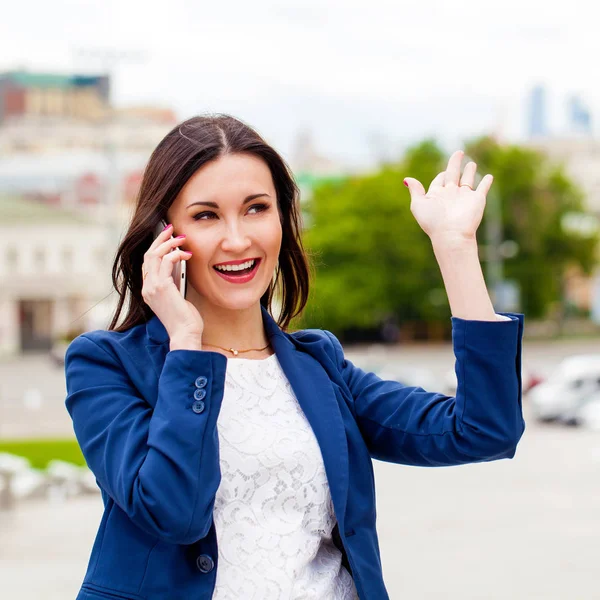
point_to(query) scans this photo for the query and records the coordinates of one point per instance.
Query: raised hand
(451, 210)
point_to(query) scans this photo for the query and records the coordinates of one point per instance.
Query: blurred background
(355, 96)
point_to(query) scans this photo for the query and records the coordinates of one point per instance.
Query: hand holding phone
(179, 269)
(165, 261)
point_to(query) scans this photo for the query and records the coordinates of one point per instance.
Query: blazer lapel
(312, 387)
(317, 398)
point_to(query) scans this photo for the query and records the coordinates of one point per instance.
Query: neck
(239, 329)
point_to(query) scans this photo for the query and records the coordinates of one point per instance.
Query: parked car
(567, 390)
(588, 415)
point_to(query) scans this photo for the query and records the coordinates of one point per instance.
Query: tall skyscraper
(537, 121)
(580, 118)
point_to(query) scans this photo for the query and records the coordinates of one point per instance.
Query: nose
(235, 240)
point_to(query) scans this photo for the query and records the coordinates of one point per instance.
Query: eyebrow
(215, 205)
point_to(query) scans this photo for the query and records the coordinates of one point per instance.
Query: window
(11, 257)
(39, 257)
(67, 258)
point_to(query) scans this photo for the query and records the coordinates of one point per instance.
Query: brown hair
(184, 150)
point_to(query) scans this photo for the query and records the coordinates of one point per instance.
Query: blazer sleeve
(483, 422)
(159, 465)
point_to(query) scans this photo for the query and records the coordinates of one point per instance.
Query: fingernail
(167, 227)
(406, 184)
(179, 237)
(186, 251)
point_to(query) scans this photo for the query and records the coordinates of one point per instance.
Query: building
(61, 140)
(25, 95)
(580, 118)
(70, 169)
(311, 168)
(580, 156)
(54, 267)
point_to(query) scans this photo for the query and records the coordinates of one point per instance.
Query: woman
(204, 421)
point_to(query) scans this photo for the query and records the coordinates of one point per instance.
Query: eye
(259, 207)
(203, 216)
(208, 214)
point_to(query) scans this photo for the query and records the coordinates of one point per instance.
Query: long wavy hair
(184, 150)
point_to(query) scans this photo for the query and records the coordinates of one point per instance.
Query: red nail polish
(167, 227)
(406, 184)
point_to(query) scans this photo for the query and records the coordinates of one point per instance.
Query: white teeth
(241, 267)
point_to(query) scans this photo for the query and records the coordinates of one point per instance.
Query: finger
(168, 261)
(159, 248)
(415, 187)
(167, 246)
(164, 235)
(438, 181)
(453, 169)
(468, 176)
(485, 184)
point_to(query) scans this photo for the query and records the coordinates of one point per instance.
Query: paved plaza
(519, 529)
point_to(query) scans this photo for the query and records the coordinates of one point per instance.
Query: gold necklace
(236, 352)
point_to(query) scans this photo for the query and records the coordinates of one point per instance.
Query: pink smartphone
(179, 269)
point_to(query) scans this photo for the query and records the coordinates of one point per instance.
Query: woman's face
(229, 213)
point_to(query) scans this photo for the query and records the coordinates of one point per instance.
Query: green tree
(374, 262)
(372, 259)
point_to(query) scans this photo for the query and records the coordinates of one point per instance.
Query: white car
(588, 415)
(567, 389)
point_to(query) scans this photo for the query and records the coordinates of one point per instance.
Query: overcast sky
(364, 76)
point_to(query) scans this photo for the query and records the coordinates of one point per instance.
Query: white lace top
(273, 510)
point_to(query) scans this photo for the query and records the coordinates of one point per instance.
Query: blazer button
(199, 394)
(198, 406)
(201, 381)
(205, 563)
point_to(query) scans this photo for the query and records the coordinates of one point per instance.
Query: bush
(41, 451)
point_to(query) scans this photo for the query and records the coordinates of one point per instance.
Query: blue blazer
(145, 418)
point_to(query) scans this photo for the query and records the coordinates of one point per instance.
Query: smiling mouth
(242, 273)
(242, 269)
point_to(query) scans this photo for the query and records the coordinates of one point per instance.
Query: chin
(241, 304)
(231, 299)
(242, 300)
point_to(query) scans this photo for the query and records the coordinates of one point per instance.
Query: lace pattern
(273, 511)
